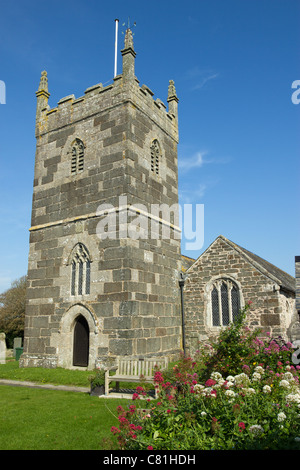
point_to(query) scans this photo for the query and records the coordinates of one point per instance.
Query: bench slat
(131, 370)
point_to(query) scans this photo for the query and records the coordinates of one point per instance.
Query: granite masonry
(226, 277)
(297, 271)
(93, 296)
(99, 286)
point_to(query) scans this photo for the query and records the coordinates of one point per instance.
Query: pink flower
(210, 383)
(241, 426)
(158, 377)
(150, 448)
(115, 430)
(123, 420)
(169, 411)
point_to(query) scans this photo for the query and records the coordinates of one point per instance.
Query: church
(94, 293)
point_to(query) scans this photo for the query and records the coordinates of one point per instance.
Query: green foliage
(237, 346)
(240, 392)
(98, 378)
(12, 310)
(232, 347)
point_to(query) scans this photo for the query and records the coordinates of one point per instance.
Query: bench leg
(106, 384)
(117, 387)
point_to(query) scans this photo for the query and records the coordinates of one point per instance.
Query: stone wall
(271, 309)
(294, 329)
(297, 273)
(133, 304)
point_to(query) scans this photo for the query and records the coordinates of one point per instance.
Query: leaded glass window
(235, 302)
(80, 270)
(225, 302)
(88, 277)
(215, 307)
(80, 277)
(73, 282)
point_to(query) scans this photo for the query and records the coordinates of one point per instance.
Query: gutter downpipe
(181, 285)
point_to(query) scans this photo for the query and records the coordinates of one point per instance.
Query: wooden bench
(134, 370)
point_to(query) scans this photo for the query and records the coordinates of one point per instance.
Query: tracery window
(77, 161)
(80, 270)
(155, 156)
(225, 302)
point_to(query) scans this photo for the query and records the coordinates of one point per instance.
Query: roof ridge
(259, 262)
(188, 257)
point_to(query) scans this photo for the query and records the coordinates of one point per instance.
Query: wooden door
(81, 342)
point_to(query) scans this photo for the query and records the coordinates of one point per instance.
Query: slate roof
(186, 262)
(283, 279)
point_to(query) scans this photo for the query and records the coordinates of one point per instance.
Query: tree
(12, 310)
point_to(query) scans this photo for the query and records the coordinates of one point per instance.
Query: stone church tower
(102, 280)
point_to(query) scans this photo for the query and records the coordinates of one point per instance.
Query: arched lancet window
(77, 161)
(80, 270)
(215, 307)
(155, 156)
(225, 302)
(235, 302)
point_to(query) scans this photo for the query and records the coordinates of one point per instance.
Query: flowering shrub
(204, 404)
(237, 348)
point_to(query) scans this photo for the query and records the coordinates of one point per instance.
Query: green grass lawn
(39, 419)
(58, 376)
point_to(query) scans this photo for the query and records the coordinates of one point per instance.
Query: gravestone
(17, 344)
(2, 348)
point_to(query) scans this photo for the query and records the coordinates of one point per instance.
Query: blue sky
(233, 63)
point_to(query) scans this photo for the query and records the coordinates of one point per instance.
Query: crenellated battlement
(115, 146)
(97, 98)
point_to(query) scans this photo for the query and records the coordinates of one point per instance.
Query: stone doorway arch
(81, 342)
(78, 321)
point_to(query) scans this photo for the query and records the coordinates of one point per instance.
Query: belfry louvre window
(77, 161)
(80, 270)
(155, 157)
(225, 302)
